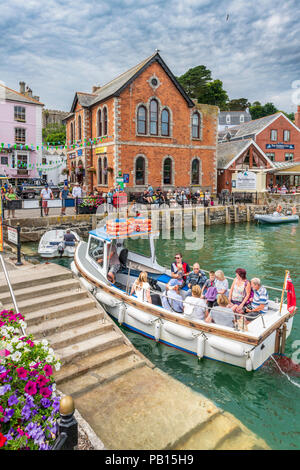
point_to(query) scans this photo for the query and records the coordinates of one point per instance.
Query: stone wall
(32, 229)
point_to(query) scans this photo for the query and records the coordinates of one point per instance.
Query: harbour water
(264, 400)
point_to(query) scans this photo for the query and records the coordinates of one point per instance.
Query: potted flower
(28, 402)
(90, 205)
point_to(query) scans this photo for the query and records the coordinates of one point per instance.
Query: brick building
(143, 125)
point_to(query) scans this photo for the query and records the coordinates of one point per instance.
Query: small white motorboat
(52, 244)
(225, 340)
(276, 219)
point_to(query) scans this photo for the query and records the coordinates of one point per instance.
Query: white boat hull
(49, 245)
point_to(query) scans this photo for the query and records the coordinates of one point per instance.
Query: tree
(239, 104)
(213, 93)
(54, 134)
(258, 111)
(195, 80)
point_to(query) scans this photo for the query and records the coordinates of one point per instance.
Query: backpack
(211, 294)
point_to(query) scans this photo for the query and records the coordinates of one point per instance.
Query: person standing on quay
(46, 195)
(64, 196)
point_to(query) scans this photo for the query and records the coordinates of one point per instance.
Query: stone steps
(68, 318)
(83, 348)
(82, 365)
(35, 304)
(30, 292)
(29, 278)
(99, 376)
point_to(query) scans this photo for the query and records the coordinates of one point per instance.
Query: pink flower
(4, 352)
(41, 381)
(48, 370)
(20, 431)
(30, 388)
(45, 392)
(22, 373)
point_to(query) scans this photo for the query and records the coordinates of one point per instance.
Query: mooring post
(67, 426)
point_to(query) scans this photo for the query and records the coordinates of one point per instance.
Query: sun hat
(174, 282)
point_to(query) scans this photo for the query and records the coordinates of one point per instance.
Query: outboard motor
(61, 249)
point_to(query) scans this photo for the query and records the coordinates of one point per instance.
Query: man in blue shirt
(171, 299)
(259, 304)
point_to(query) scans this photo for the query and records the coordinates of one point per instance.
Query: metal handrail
(10, 289)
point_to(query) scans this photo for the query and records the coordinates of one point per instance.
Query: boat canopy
(124, 228)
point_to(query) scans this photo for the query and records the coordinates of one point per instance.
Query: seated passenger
(221, 283)
(195, 278)
(259, 302)
(113, 262)
(221, 314)
(141, 288)
(69, 237)
(194, 306)
(209, 290)
(240, 291)
(179, 263)
(171, 299)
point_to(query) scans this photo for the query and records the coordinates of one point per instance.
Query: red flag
(291, 296)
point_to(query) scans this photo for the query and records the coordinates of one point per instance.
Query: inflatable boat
(276, 219)
(226, 340)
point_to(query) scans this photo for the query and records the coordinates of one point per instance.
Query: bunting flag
(57, 145)
(291, 296)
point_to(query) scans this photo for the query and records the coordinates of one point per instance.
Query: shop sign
(100, 150)
(280, 145)
(246, 181)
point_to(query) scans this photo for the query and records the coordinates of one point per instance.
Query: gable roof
(255, 126)
(228, 152)
(118, 84)
(12, 95)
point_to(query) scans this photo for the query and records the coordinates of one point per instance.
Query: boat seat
(222, 317)
(54, 243)
(69, 243)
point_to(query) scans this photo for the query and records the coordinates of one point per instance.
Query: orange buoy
(279, 208)
(294, 210)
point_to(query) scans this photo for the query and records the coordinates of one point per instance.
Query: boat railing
(11, 291)
(243, 316)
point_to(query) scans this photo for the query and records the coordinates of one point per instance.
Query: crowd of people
(178, 196)
(284, 189)
(207, 296)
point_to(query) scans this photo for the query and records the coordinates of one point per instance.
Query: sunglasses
(177, 257)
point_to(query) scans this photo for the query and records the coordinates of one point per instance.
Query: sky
(59, 47)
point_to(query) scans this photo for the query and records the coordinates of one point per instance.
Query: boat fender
(249, 365)
(200, 346)
(74, 269)
(107, 299)
(226, 346)
(140, 316)
(294, 210)
(179, 331)
(157, 330)
(121, 315)
(86, 284)
(279, 208)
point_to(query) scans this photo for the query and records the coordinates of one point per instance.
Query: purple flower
(8, 414)
(29, 400)
(44, 446)
(56, 404)
(45, 402)
(2, 369)
(13, 400)
(26, 413)
(4, 389)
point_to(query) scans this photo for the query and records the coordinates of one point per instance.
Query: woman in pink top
(240, 291)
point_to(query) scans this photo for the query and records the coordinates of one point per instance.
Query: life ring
(279, 208)
(294, 210)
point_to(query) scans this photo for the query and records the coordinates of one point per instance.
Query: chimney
(297, 117)
(22, 87)
(28, 92)
(37, 98)
(95, 88)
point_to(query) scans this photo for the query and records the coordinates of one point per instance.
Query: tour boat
(52, 244)
(247, 347)
(276, 219)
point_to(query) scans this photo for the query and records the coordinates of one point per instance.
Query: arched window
(100, 170)
(153, 117)
(167, 171)
(141, 120)
(196, 125)
(71, 133)
(99, 123)
(105, 170)
(105, 121)
(195, 176)
(165, 122)
(140, 171)
(79, 127)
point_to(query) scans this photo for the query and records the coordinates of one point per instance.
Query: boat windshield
(96, 250)
(140, 246)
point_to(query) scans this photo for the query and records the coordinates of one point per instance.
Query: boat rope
(284, 373)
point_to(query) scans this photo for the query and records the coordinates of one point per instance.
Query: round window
(154, 82)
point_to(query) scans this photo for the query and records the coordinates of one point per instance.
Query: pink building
(20, 134)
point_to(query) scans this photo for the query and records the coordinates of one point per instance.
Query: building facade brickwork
(149, 129)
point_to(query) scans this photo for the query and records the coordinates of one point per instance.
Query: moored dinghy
(236, 345)
(276, 219)
(52, 244)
